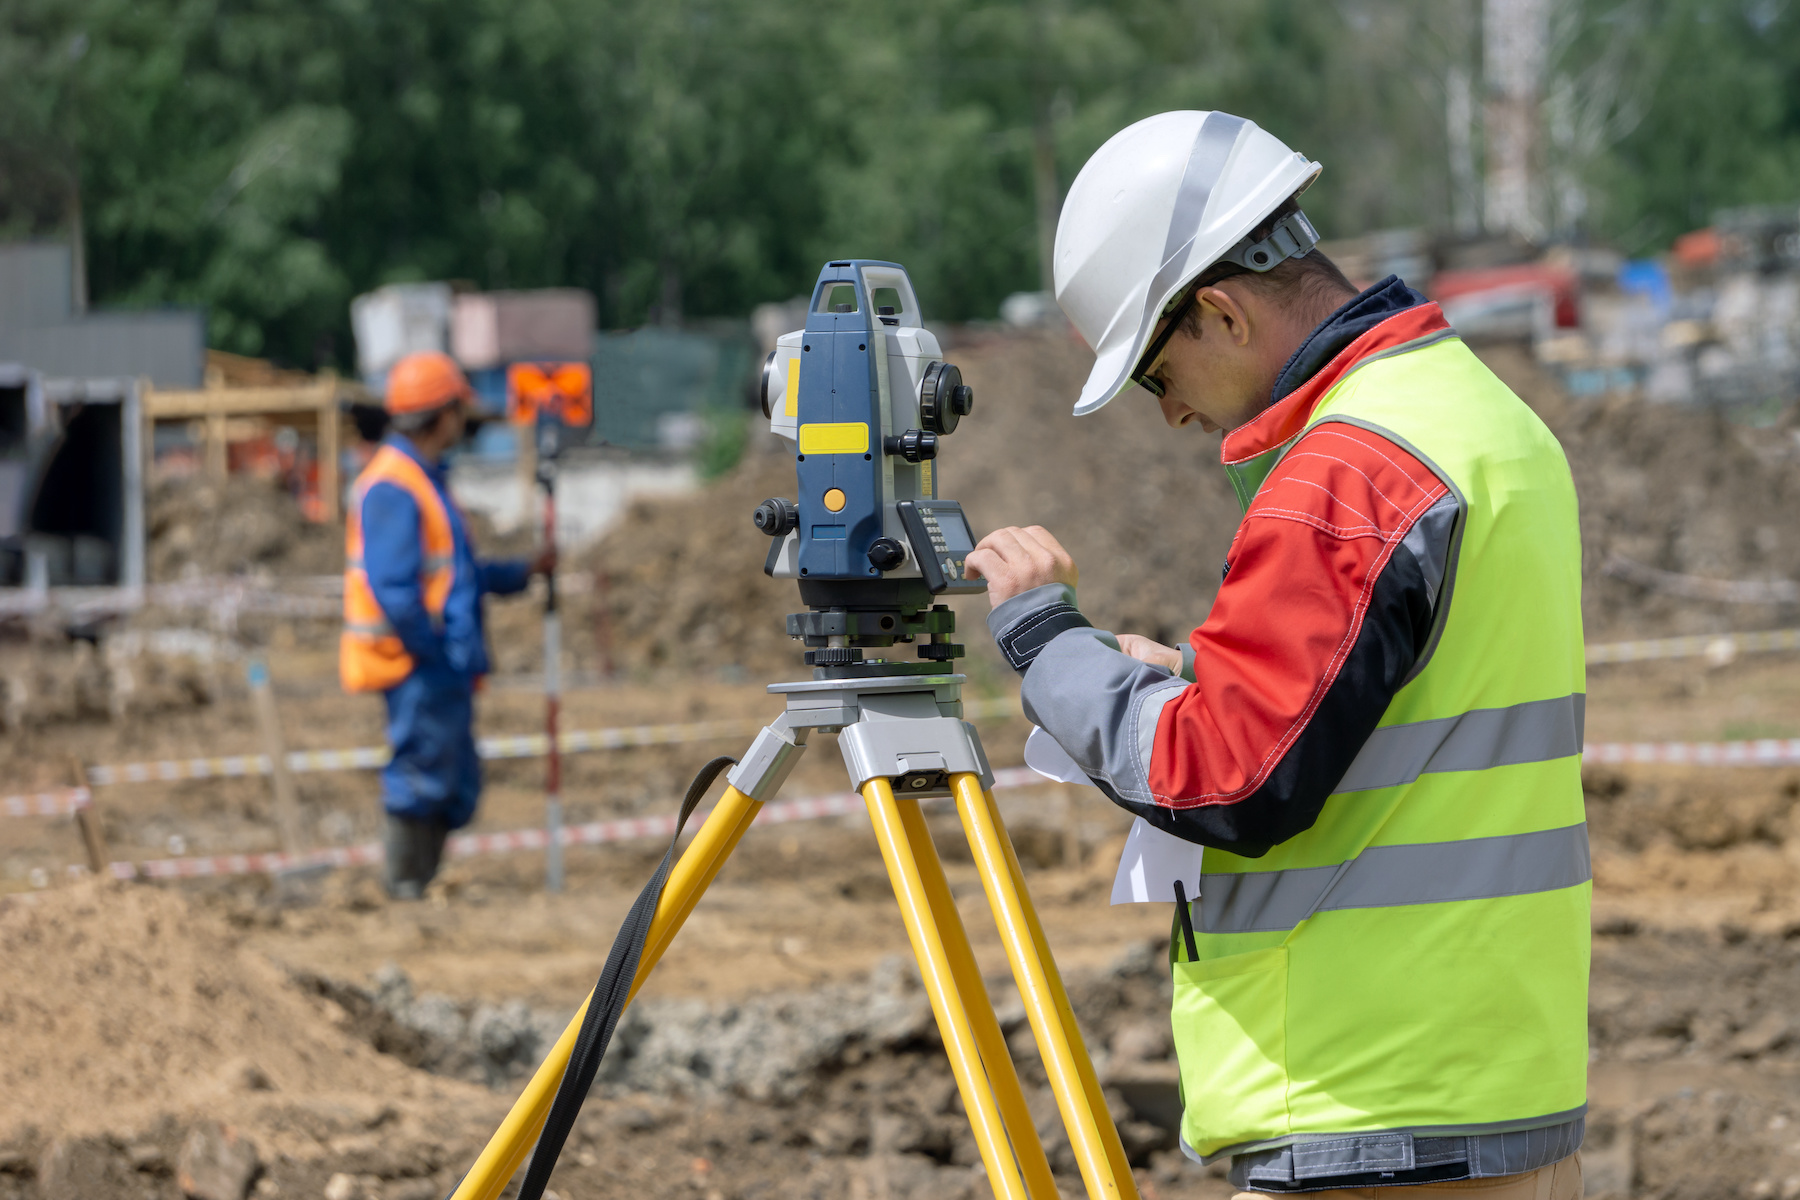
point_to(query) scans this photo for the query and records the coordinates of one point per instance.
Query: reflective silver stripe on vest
(1537, 731)
(369, 628)
(1390, 876)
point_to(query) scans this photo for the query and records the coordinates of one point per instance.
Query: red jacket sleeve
(1320, 619)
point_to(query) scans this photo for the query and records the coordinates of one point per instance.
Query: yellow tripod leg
(885, 813)
(688, 880)
(1092, 1134)
(965, 974)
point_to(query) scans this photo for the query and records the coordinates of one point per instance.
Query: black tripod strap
(608, 1001)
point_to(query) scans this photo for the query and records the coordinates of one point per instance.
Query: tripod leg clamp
(919, 754)
(768, 762)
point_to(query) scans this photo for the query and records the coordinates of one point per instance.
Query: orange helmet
(424, 381)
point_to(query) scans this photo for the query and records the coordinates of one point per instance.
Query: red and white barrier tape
(1764, 752)
(61, 803)
(1717, 648)
(1720, 649)
(366, 854)
(1696, 587)
(476, 845)
(362, 758)
(1769, 752)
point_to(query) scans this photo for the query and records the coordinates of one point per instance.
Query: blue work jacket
(393, 554)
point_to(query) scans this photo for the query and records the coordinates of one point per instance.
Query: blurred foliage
(270, 158)
(1720, 124)
(727, 433)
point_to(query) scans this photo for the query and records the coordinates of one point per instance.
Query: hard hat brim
(1119, 352)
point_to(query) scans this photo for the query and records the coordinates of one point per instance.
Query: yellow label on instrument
(850, 437)
(925, 488)
(793, 388)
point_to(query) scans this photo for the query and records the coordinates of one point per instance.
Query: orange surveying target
(564, 390)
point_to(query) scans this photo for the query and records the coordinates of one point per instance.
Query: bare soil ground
(365, 1049)
(136, 1013)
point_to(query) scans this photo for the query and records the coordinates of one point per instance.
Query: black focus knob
(938, 390)
(915, 445)
(885, 554)
(776, 517)
(962, 400)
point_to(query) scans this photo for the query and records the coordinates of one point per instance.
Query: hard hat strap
(1292, 237)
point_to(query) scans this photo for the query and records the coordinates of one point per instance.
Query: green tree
(689, 158)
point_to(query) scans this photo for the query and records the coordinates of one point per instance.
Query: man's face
(1215, 380)
(456, 423)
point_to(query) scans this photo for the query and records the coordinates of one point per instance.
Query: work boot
(414, 849)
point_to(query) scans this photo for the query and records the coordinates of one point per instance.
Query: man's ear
(1230, 312)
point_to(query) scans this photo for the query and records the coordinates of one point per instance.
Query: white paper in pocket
(1045, 755)
(1152, 862)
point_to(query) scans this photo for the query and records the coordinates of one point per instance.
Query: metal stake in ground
(268, 723)
(549, 446)
(87, 820)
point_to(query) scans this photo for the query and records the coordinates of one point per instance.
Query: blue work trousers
(435, 774)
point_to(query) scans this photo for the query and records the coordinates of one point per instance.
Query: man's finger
(1045, 542)
(1055, 560)
(1007, 545)
(1046, 539)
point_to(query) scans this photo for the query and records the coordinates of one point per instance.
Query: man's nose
(1175, 413)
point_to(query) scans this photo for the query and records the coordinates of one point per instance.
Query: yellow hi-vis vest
(1418, 959)
(370, 656)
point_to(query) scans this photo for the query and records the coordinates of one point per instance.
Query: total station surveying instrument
(864, 395)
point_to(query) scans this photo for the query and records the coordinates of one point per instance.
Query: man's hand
(545, 562)
(1154, 653)
(1015, 560)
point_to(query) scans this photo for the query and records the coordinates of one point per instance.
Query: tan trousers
(1560, 1180)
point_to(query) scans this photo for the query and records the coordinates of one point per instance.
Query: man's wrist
(1024, 624)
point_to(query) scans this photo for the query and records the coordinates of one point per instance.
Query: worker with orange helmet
(413, 593)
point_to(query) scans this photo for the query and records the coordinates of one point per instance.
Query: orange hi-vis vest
(370, 656)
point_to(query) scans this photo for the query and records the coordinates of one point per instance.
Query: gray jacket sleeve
(1098, 702)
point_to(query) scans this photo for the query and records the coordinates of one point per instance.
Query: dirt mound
(1693, 809)
(1149, 515)
(1674, 488)
(198, 527)
(836, 1074)
(123, 1006)
(1687, 492)
(686, 588)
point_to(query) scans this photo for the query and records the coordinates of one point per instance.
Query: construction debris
(200, 527)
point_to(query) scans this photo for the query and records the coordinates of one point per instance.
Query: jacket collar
(1381, 319)
(434, 471)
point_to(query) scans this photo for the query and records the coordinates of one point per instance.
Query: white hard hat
(1160, 202)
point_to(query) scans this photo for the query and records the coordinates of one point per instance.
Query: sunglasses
(1140, 374)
